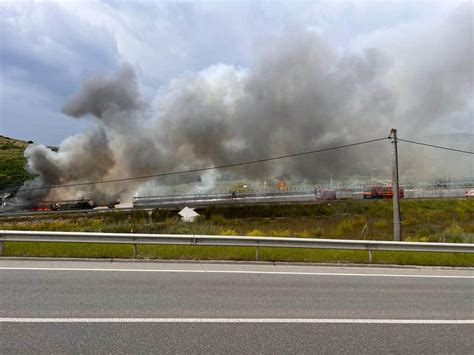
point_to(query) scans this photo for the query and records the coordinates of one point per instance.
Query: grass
(427, 220)
(178, 252)
(12, 163)
(73, 250)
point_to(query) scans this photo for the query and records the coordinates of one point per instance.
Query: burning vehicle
(65, 205)
(72, 205)
(83, 204)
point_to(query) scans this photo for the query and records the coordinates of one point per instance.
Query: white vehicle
(469, 193)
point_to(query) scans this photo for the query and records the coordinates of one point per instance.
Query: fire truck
(381, 192)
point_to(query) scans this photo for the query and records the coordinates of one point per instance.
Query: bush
(414, 238)
(218, 219)
(410, 220)
(381, 223)
(426, 233)
(256, 233)
(348, 228)
(303, 234)
(171, 220)
(267, 211)
(280, 233)
(316, 232)
(164, 214)
(454, 234)
(227, 231)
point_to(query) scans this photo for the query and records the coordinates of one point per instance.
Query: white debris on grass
(188, 214)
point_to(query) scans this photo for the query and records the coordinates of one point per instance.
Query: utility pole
(397, 219)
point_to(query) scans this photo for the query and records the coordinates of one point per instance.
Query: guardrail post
(257, 256)
(370, 256)
(1, 248)
(134, 246)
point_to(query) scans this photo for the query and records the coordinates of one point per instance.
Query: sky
(48, 48)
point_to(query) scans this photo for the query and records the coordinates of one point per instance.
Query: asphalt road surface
(122, 307)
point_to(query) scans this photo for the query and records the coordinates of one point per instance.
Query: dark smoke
(105, 96)
(301, 94)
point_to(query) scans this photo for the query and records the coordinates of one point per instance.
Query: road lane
(250, 292)
(235, 339)
(88, 289)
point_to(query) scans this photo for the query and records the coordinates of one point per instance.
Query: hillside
(12, 163)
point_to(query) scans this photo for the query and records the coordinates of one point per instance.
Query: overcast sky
(48, 48)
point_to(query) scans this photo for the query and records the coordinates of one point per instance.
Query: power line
(205, 169)
(436, 146)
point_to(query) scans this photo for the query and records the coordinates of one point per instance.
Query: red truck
(380, 192)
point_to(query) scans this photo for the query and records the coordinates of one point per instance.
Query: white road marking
(235, 272)
(238, 320)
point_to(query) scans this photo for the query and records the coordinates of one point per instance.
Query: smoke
(300, 94)
(105, 97)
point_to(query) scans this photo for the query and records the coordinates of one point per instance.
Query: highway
(180, 201)
(149, 206)
(52, 306)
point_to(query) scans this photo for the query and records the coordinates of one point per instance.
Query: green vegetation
(12, 163)
(233, 253)
(427, 220)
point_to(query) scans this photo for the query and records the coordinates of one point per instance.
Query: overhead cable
(436, 146)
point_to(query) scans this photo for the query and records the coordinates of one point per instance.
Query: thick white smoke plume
(301, 94)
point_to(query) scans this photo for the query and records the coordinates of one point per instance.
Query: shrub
(453, 234)
(171, 220)
(227, 231)
(256, 233)
(303, 234)
(164, 214)
(267, 211)
(427, 232)
(118, 217)
(316, 232)
(410, 220)
(381, 223)
(348, 227)
(280, 233)
(218, 219)
(415, 238)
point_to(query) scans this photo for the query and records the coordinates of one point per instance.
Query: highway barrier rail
(216, 240)
(197, 200)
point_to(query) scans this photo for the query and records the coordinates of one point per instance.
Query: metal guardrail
(241, 241)
(198, 200)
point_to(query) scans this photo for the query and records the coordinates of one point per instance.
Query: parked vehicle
(333, 194)
(469, 193)
(380, 192)
(325, 194)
